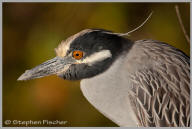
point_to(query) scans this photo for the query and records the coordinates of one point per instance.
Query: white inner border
(80, 1)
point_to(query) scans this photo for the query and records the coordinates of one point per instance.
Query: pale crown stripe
(62, 49)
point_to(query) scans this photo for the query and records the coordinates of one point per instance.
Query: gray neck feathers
(106, 92)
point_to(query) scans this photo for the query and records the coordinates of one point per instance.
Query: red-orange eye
(77, 54)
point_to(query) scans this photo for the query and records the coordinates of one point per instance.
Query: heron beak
(50, 67)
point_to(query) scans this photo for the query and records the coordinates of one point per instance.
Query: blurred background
(31, 31)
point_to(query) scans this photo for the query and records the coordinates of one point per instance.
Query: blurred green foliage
(31, 31)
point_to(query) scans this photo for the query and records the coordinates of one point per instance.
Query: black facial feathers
(93, 42)
(98, 40)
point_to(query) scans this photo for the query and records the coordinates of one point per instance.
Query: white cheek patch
(96, 57)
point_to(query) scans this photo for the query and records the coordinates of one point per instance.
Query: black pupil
(77, 54)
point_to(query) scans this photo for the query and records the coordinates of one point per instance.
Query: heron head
(83, 55)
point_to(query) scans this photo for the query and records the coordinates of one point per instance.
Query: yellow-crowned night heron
(141, 83)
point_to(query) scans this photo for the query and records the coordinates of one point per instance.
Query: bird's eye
(77, 54)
